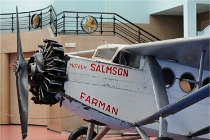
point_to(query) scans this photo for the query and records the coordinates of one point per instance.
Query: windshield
(106, 53)
(127, 59)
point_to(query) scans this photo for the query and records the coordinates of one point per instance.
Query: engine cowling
(47, 72)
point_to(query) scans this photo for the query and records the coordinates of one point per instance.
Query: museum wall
(156, 6)
(9, 6)
(135, 11)
(164, 27)
(169, 27)
(4, 89)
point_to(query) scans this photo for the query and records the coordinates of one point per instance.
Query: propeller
(21, 73)
(45, 73)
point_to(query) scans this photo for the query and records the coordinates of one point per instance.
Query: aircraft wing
(186, 51)
(87, 53)
(178, 105)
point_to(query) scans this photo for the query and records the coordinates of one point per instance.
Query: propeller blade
(22, 83)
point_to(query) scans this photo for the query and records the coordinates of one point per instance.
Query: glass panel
(107, 53)
(168, 76)
(127, 59)
(185, 83)
(206, 81)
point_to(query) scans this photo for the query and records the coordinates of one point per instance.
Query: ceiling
(178, 11)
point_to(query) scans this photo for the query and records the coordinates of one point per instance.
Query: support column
(190, 25)
(4, 88)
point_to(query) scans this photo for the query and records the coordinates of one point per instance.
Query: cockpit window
(127, 59)
(106, 53)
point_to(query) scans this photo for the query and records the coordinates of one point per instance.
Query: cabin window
(127, 59)
(206, 82)
(168, 76)
(187, 82)
(106, 53)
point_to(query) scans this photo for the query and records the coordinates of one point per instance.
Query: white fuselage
(119, 96)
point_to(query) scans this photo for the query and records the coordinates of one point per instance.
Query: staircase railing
(109, 24)
(67, 22)
(8, 21)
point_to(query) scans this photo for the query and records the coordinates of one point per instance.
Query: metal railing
(8, 21)
(109, 24)
(67, 22)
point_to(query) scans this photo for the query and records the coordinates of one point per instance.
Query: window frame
(204, 80)
(173, 75)
(195, 85)
(131, 56)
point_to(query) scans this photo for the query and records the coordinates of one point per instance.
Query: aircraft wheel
(164, 138)
(80, 134)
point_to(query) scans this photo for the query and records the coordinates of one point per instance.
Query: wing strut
(201, 69)
(200, 132)
(158, 81)
(160, 92)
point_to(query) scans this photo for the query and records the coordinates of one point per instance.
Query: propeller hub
(15, 66)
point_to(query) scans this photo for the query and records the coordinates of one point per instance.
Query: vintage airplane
(148, 88)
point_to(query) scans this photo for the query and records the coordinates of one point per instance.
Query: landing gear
(80, 134)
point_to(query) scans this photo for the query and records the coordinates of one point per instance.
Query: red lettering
(114, 110)
(120, 71)
(108, 108)
(88, 99)
(98, 68)
(81, 95)
(92, 67)
(72, 65)
(103, 69)
(125, 73)
(101, 104)
(94, 101)
(109, 70)
(114, 71)
(79, 66)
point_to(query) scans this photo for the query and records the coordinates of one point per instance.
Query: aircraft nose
(47, 72)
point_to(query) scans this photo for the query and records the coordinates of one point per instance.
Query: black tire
(164, 138)
(80, 133)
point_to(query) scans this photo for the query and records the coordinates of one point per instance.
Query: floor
(13, 132)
